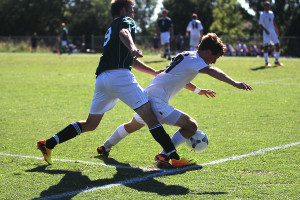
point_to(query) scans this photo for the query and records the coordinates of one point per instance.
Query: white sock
(177, 140)
(266, 55)
(119, 134)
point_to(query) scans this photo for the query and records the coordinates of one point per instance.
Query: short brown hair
(117, 5)
(194, 16)
(165, 11)
(214, 43)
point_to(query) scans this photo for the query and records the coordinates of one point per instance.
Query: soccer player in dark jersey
(115, 81)
(63, 38)
(164, 25)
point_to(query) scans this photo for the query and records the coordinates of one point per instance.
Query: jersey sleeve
(127, 23)
(189, 27)
(200, 25)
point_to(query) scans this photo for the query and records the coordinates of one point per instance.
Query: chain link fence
(290, 45)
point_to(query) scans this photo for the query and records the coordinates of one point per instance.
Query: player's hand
(207, 93)
(136, 53)
(158, 72)
(243, 86)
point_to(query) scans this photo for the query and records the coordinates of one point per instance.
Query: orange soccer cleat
(182, 162)
(41, 145)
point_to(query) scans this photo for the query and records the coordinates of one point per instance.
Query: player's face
(267, 7)
(212, 58)
(130, 12)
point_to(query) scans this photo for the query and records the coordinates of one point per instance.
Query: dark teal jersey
(64, 34)
(164, 24)
(115, 54)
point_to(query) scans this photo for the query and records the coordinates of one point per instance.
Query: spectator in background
(244, 49)
(194, 30)
(254, 50)
(179, 41)
(34, 42)
(238, 49)
(64, 39)
(155, 41)
(164, 25)
(231, 50)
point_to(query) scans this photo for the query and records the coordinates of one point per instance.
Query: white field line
(84, 162)
(166, 172)
(275, 82)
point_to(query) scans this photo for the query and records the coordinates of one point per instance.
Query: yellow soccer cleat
(182, 162)
(41, 145)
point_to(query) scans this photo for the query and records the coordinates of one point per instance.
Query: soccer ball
(198, 142)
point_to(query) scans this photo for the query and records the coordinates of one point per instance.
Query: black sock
(71, 131)
(160, 135)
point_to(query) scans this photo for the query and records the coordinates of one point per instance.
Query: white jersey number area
(175, 61)
(107, 36)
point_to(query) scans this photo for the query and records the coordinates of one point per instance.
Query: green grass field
(42, 93)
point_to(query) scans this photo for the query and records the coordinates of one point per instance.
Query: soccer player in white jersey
(270, 33)
(178, 74)
(194, 30)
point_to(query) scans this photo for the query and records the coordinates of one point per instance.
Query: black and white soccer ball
(198, 142)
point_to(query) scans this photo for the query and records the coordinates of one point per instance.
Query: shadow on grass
(262, 68)
(154, 61)
(74, 182)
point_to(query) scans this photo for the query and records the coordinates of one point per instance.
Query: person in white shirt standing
(194, 30)
(270, 33)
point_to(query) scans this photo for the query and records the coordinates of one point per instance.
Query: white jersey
(194, 27)
(181, 71)
(267, 20)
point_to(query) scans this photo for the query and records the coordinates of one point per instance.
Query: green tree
(228, 19)
(88, 16)
(144, 10)
(23, 17)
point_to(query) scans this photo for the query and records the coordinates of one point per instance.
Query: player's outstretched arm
(222, 76)
(139, 65)
(192, 87)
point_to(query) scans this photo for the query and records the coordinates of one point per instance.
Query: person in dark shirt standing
(64, 39)
(34, 42)
(155, 41)
(164, 26)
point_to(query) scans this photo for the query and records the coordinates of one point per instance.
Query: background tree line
(87, 17)
(225, 17)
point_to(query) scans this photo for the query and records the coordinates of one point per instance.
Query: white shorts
(272, 37)
(164, 38)
(165, 113)
(194, 40)
(113, 85)
(64, 43)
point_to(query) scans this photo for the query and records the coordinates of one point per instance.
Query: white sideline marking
(84, 162)
(278, 80)
(166, 172)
